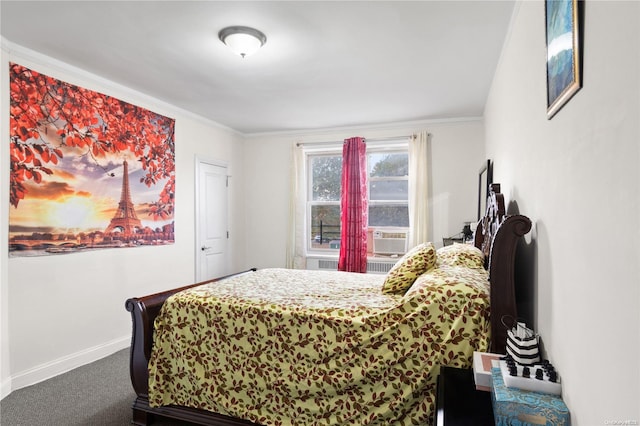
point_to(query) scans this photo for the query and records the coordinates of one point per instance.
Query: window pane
(389, 215)
(326, 174)
(389, 190)
(325, 227)
(383, 164)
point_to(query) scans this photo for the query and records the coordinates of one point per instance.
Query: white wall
(457, 152)
(59, 312)
(576, 176)
(5, 368)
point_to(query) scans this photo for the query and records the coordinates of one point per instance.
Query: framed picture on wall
(564, 52)
(485, 178)
(88, 171)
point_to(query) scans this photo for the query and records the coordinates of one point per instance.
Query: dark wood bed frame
(497, 236)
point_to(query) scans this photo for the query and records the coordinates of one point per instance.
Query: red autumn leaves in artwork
(47, 114)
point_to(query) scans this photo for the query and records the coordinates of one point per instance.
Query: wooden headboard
(497, 235)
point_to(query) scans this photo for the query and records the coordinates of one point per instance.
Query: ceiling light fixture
(244, 41)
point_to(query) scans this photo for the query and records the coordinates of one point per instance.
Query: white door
(211, 221)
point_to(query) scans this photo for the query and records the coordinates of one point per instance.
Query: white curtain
(295, 240)
(418, 189)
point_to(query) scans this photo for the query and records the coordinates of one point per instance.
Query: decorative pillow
(414, 263)
(461, 255)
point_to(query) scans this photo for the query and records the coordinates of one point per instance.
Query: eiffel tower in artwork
(125, 218)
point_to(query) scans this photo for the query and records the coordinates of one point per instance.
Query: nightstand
(458, 403)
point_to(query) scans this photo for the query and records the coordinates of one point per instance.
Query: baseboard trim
(5, 389)
(62, 365)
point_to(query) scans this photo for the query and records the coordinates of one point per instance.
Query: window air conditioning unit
(389, 241)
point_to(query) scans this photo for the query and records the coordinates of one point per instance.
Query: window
(388, 189)
(325, 172)
(388, 181)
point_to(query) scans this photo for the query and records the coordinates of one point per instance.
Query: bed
(291, 347)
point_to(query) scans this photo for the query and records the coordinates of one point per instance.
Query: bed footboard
(144, 311)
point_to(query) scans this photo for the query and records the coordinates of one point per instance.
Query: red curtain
(354, 207)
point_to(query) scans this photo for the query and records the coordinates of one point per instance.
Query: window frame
(310, 203)
(390, 147)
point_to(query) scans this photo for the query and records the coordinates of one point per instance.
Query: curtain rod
(374, 140)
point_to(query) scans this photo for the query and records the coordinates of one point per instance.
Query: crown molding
(20, 54)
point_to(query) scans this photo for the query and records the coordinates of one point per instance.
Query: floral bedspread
(292, 347)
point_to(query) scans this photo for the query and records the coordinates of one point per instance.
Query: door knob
(203, 248)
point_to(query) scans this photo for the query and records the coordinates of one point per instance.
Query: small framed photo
(485, 179)
(564, 52)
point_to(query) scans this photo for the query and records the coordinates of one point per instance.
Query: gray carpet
(97, 394)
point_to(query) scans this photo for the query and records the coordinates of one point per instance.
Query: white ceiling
(325, 63)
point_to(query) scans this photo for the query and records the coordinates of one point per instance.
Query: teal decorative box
(516, 407)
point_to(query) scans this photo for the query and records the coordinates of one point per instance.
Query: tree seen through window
(388, 194)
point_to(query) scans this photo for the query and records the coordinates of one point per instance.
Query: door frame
(197, 225)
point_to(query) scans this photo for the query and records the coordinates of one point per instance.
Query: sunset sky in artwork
(81, 195)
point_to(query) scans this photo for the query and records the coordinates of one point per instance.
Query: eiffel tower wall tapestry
(87, 171)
